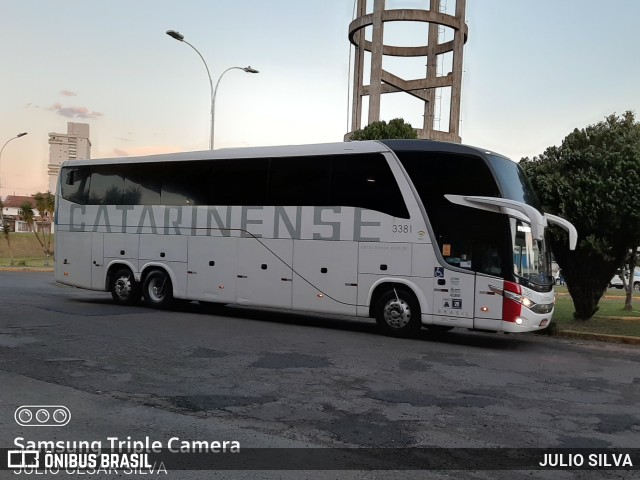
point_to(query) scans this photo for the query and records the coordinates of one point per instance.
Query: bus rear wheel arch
(157, 289)
(397, 311)
(123, 286)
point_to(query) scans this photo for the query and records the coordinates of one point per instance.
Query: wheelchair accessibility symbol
(438, 272)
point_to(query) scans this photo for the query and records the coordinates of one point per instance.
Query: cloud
(68, 93)
(74, 112)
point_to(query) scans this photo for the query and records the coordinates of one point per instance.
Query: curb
(602, 337)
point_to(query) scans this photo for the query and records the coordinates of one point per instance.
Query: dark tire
(397, 313)
(124, 288)
(157, 289)
(439, 328)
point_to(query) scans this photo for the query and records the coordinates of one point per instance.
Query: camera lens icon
(42, 415)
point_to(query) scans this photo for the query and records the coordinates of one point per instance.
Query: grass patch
(26, 250)
(610, 319)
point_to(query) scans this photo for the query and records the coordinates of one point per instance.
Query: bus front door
(488, 308)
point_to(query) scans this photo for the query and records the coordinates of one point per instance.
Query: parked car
(616, 281)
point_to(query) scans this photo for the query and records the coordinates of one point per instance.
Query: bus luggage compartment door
(265, 277)
(213, 269)
(326, 276)
(73, 258)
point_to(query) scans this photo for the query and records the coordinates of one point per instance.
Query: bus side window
(299, 181)
(239, 181)
(75, 184)
(186, 184)
(107, 186)
(142, 185)
(366, 181)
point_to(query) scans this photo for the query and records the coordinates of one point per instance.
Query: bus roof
(368, 146)
(246, 152)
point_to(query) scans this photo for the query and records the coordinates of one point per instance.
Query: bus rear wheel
(397, 313)
(124, 288)
(157, 289)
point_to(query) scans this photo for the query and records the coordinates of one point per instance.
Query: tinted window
(75, 184)
(142, 184)
(299, 181)
(185, 183)
(366, 181)
(107, 186)
(239, 182)
(513, 182)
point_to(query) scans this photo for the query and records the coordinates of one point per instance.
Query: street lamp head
(177, 35)
(250, 70)
(21, 134)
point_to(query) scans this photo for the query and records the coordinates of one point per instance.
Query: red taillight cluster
(511, 308)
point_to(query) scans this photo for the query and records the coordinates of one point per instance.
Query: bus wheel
(157, 289)
(398, 313)
(124, 288)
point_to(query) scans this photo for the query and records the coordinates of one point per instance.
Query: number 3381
(405, 228)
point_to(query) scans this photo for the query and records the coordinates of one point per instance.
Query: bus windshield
(513, 182)
(531, 259)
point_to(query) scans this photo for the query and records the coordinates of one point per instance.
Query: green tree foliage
(396, 128)
(593, 180)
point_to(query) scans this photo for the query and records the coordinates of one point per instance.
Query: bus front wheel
(157, 290)
(124, 288)
(397, 313)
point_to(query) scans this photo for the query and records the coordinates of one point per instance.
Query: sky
(533, 71)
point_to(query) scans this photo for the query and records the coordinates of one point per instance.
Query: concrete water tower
(441, 53)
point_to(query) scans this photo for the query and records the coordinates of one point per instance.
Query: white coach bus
(411, 232)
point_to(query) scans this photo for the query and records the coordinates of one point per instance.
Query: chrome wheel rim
(397, 313)
(122, 287)
(156, 289)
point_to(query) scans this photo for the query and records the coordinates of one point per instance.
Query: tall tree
(593, 180)
(396, 128)
(28, 216)
(45, 204)
(6, 230)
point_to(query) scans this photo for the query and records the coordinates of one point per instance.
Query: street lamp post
(2, 150)
(215, 91)
(178, 36)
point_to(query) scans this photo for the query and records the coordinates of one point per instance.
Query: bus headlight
(524, 301)
(542, 307)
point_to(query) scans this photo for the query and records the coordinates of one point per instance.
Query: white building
(73, 145)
